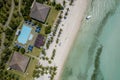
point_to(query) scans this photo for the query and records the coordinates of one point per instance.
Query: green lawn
(50, 20)
(21, 75)
(43, 31)
(52, 16)
(33, 62)
(35, 52)
(30, 69)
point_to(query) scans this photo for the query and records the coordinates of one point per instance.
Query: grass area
(18, 73)
(52, 16)
(35, 52)
(43, 31)
(30, 69)
(32, 64)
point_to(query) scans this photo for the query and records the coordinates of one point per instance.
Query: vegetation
(22, 50)
(4, 10)
(49, 61)
(41, 1)
(71, 2)
(0, 40)
(30, 69)
(48, 44)
(64, 3)
(8, 43)
(4, 74)
(57, 41)
(35, 52)
(41, 70)
(16, 2)
(53, 54)
(1, 29)
(53, 3)
(52, 16)
(43, 52)
(26, 9)
(59, 32)
(16, 48)
(58, 7)
(56, 26)
(15, 22)
(9, 37)
(48, 29)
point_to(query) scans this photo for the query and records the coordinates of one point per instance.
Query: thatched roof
(39, 11)
(19, 62)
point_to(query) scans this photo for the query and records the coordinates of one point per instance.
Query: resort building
(40, 40)
(19, 62)
(39, 11)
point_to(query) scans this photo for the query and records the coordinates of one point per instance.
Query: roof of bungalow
(40, 40)
(19, 62)
(39, 11)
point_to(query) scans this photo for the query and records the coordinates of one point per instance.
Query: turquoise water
(103, 29)
(24, 35)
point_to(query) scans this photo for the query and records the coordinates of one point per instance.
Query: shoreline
(77, 23)
(70, 26)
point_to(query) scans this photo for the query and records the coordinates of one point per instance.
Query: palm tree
(47, 58)
(49, 62)
(64, 3)
(55, 68)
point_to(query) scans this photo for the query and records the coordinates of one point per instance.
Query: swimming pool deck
(29, 42)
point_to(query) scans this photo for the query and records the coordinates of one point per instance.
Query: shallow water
(103, 29)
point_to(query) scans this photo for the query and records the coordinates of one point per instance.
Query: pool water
(24, 35)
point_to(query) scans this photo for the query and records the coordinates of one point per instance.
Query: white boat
(88, 17)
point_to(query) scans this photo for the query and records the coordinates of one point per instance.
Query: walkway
(34, 57)
(20, 1)
(2, 44)
(11, 13)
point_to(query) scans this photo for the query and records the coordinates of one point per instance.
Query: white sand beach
(58, 1)
(70, 27)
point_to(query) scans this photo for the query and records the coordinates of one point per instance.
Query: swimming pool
(24, 35)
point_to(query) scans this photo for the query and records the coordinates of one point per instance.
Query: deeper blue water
(103, 28)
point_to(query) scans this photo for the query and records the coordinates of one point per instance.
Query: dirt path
(20, 2)
(34, 57)
(2, 44)
(11, 13)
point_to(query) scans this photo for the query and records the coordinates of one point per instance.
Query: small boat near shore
(88, 17)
